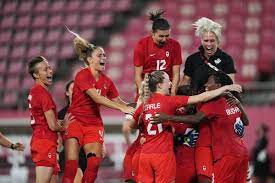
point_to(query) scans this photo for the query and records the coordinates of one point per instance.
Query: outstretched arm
(108, 103)
(188, 119)
(4, 141)
(208, 95)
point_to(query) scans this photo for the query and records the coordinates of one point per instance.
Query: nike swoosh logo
(152, 55)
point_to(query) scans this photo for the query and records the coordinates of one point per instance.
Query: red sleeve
(178, 58)
(46, 102)
(84, 80)
(112, 92)
(208, 109)
(137, 113)
(178, 101)
(139, 56)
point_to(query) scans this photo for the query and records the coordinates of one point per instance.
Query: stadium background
(36, 27)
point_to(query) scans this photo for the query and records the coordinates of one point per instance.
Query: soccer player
(185, 138)
(157, 160)
(226, 120)
(158, 52)
(91, 89)
(43, 120)
(82, 157)
(5, 142)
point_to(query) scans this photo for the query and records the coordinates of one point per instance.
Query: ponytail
(159, 23)
(82, 47)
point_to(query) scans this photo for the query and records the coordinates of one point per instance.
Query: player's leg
(78, 177)
(242, 170)
(94, 156)
(82, 163)
(73, 140)
(164, 166)
(145, 171)
(71, 163)
(93, 146)
(204, 164)
(126, 130)
(128, 164)
(43, 174)
(226, 168)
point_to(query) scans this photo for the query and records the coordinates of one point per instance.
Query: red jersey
(222, 118)
(40, 101)
(153, 57)
(83, 107)
(159, 137)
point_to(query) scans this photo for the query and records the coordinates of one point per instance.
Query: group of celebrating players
(189, 130)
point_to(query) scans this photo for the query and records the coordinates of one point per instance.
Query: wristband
(12, 146)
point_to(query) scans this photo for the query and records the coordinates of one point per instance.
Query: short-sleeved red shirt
(153, 57)
(159, 138)
(83, 107)
(222, 118)
(40, 101)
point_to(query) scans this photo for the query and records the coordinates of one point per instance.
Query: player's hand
(18, 146)
(67, 120)
(234, 87)
(191, 138)
(159, 118)
(232, 101)
(239, 128)
(127, 109)
(142, 140)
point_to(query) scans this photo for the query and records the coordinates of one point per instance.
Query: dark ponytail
(159, 23)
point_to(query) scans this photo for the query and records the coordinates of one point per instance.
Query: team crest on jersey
(167, 53)
(133, 173)
(50, 155)
(217, 61)
(204, 168)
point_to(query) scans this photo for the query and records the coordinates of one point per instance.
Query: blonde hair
(82, 47)
(204, 24)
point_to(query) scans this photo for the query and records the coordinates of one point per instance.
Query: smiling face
(43, 73)
(160, 37)
(166, 85)
(210, 43)
(98, 59)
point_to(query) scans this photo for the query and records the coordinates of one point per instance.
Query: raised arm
(187, 119)
(208, 95)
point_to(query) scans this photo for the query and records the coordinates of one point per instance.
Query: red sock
(70, 171)
(90, 173)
